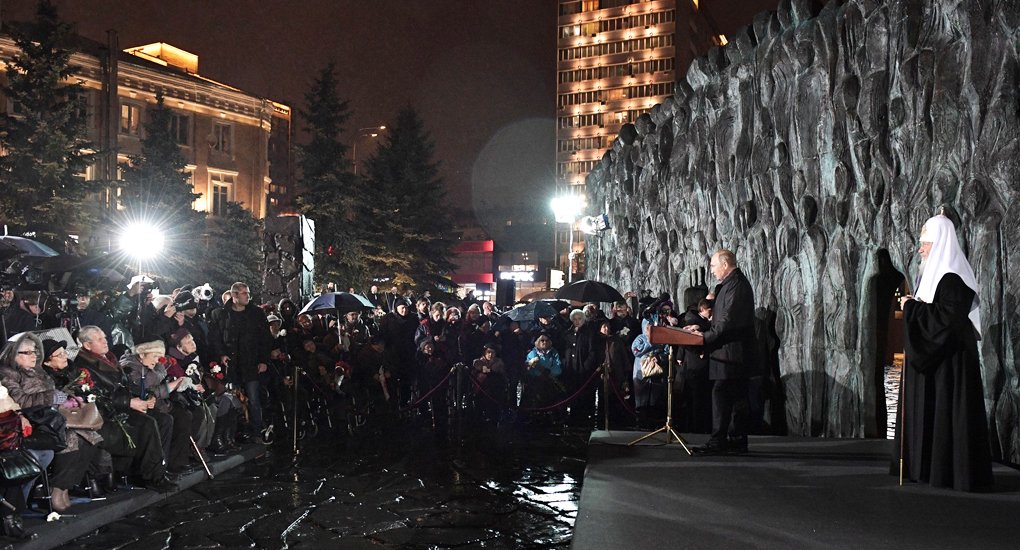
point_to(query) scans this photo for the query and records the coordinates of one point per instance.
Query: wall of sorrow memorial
(815, 145)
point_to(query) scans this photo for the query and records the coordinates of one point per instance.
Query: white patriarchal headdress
(946, 256)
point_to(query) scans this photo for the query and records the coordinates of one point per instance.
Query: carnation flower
(215, 369)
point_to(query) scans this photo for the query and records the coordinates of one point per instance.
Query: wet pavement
(402, 487)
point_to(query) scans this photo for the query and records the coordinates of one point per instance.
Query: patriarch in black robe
(944, 427)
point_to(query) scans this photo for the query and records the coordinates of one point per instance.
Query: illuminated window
(223, 137)
(222, 192)
(130, 119)
(180, 129)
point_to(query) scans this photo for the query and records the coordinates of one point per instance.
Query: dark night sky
(481, 73)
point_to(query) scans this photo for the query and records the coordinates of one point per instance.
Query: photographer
(124, 310)
(85, 314)
(23, 313)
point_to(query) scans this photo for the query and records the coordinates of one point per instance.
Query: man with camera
(124, 310)
(23, 313)
(85, 314)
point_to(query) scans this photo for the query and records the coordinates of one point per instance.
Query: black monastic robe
(946, 442)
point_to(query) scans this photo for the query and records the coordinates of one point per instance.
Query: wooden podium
(672, 337)
(676, 337)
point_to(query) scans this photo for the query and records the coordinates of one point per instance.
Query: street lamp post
(566, 209)
(369, 132)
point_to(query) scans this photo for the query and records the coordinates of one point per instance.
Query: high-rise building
(615, 60)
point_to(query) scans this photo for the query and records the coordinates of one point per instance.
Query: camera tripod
(668, 427)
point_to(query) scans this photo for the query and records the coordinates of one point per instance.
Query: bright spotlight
(566, 208)
(141, 241)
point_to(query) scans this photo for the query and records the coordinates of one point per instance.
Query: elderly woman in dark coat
(146, 369)
(31, 386)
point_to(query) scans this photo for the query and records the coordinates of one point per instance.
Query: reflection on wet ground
(404, 487)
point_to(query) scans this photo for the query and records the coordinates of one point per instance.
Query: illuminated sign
(556, 278)
(525, 276)
(519, 267)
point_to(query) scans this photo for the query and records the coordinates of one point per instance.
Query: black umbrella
(589, 291)
(531, 312)
(10, 244)
(339, 302)
(558, 305)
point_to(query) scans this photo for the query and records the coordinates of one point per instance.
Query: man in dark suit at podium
(732, 354)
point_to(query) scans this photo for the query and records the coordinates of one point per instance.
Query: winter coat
(154, 381)
(496, 365)
(30, 387)
(243, 336)
(548, 362)
(642, 347)
(398, 333)
(427, 331)
(109, 381)
(17, 320)
(628, 328)
(579, 353)
(731, 342)
(694, 358)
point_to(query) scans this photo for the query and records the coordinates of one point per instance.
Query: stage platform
(785, 493)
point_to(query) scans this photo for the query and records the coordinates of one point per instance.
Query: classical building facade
(615, 60)
(236, 144)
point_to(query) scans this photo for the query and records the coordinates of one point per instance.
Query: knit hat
(155, 346)
(51, 346)
(178, 335)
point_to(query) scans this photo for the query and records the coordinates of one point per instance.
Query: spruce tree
(45, 140)
(156, 183)
(410, 228)
(157, 190)
(233, 251)
(330, 191)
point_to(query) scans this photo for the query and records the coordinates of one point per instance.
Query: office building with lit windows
(615, 60)
(237, 145)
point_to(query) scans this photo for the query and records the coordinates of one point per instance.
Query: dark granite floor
(401, 487)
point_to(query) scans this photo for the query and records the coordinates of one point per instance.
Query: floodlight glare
(566, 208)
(141, 240)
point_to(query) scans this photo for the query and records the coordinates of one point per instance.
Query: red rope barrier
(430, 392)
(620, 397)
(539, 409)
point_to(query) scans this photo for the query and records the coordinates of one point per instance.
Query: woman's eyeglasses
(28, 352)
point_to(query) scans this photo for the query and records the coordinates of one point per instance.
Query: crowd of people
(172, 374)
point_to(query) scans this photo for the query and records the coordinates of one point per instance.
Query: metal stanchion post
(295, 409)
(605, 393)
